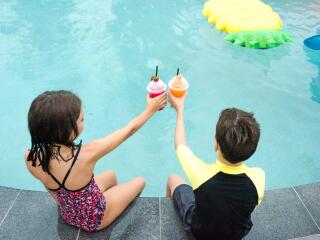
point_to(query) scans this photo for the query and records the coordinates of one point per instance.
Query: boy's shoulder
(257, 175)
(255, 171)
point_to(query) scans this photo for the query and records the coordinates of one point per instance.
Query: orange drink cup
(178, 86)
(177, 93)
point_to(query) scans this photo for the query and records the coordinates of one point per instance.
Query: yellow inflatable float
(250, 23)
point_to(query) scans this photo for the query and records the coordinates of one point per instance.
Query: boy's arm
(195, 169)
(178, 105)
(180, 134)
(100, 147)
(258, 178)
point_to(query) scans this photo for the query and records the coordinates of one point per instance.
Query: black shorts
(184, 203)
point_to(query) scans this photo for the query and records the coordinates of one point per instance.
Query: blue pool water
(105, 51)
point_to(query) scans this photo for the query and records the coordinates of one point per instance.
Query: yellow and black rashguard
(225, 196)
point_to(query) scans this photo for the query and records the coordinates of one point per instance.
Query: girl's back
(79, 176)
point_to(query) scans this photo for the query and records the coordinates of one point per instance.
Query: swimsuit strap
(54, 178)
(73, 162)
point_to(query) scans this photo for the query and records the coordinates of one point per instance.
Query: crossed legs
(118, 197)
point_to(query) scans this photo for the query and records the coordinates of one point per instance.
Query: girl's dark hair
(52, 119)
(237, 133)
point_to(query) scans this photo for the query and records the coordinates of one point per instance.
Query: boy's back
(225, 196)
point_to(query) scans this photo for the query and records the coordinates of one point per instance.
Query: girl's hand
(157, 103)
(177, 103)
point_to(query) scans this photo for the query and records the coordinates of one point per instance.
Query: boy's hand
(177, 103)
(157, 103)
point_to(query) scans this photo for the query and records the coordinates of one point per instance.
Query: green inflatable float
(249, 23)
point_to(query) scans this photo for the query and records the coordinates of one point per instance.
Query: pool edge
(287, 213)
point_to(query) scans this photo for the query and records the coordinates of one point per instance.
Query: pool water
(105, 51)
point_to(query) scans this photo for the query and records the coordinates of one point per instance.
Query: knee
(140, 181)
(173, 178)
(113, 175)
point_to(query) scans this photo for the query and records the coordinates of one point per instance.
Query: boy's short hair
(237, 133)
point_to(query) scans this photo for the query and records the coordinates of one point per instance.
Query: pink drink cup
(153, 94)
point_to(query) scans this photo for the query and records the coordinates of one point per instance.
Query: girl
(55, 120)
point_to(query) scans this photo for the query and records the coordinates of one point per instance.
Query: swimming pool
(105, 51)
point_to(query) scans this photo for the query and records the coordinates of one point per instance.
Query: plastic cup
(153, 94)
(178, 92)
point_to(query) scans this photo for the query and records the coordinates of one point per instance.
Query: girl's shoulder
(25, 157)
(87, 154)
(36, 170)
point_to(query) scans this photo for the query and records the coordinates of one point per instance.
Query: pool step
(289, 213)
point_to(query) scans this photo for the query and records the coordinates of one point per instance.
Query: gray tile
(312, 237)
(139, 221)
(171, 225)
(35, 216)
(7, 196)
(281, 216)
(310, 195)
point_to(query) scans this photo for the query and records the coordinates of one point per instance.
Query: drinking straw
(157, 71)
(177, 71)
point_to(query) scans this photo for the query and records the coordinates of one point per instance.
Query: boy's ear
(216, 145)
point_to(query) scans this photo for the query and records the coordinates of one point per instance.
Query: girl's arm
(100, 147)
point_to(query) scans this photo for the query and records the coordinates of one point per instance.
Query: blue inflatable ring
(313, 42)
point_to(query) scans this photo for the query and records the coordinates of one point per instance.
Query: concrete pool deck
(289, 213)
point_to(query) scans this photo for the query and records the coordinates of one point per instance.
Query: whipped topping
(156, 86)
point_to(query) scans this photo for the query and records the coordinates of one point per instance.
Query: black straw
(177, 71)
(157, 71)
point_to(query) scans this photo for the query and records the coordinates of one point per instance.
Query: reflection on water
(15, 35)
(91, 37)
(313, 56)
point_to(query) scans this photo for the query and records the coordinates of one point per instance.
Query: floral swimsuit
(83, 208)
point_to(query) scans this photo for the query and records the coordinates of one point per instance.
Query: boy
(225, 193)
